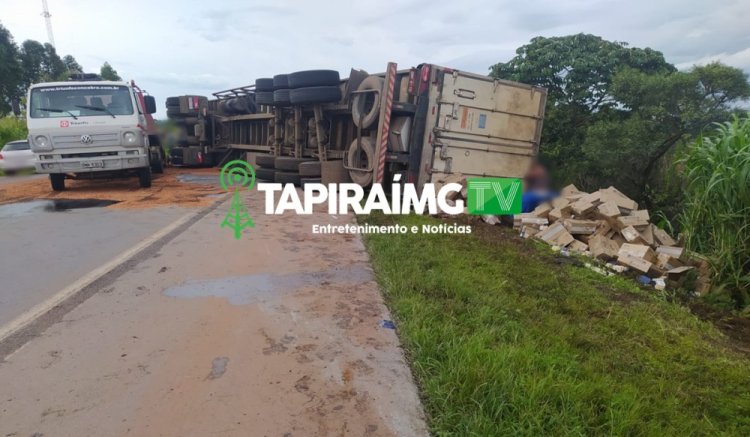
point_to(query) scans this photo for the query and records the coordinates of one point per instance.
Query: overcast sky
(199, 47)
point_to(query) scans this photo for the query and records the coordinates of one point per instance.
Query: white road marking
(39, 310)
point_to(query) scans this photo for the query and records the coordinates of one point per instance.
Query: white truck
(89, 128)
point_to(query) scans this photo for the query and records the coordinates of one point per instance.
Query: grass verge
(506, 339)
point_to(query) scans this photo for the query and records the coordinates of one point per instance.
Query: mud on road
(186, 187)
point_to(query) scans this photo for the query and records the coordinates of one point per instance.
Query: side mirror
(150, 104)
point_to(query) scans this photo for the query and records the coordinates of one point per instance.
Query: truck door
(485, 127)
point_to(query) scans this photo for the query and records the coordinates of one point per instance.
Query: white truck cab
(92, 128)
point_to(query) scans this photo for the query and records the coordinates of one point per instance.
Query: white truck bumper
(91, 164)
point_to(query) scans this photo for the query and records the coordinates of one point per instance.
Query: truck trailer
(423, 124)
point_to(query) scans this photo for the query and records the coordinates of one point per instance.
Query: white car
(15, 156)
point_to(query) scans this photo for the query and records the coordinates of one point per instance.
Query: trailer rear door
(484, 127)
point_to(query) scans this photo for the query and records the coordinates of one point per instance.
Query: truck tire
(265, 161)
(265, 174)
(263, 84)
(310, 78)
(366, 106)
(157, 165)
(287, 163)
(280, 81)
(281, 97)
(57, 180)
(286, 177)
(309, 169)
(366, 153)
(315, 94)
(173, 101)
(264, 98)
(144, 177)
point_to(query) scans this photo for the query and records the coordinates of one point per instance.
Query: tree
(109, 73)
(615, 114)
(55, 68)
(10, 71)
(577, 71)
(656, 113)
(71, 64)
(40, 63)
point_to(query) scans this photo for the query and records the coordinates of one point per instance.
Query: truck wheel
(280, 81)
(264, 97)
(309, 169)
(263, 84)
(157, 164)
(366, 106)
(286, 177)
(288, 163)
(365, 153)
(265, 174)
(265, 161)
(144, 177)
(57, 180)
(281, 97)
(313, 78)
(315, 94)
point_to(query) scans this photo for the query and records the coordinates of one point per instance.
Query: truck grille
(100, 139)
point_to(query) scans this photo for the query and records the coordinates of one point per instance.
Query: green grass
(504, 340)
(716, 218)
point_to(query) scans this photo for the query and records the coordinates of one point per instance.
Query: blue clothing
(532, 199)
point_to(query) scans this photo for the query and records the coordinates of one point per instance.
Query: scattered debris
(387, 324)
(608, 225)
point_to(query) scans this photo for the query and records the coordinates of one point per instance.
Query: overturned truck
(422, 124)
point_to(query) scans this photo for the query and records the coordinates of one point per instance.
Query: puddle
(20, 209)
(261, 287)
(199, 178)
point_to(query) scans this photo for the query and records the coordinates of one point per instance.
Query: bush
(12, 129)
(716, 218)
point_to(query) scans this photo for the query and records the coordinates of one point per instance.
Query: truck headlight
(129, 137)
(42, 142)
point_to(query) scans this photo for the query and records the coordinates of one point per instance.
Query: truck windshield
(80, 101)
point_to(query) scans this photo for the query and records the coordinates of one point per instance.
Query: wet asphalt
(47, 245)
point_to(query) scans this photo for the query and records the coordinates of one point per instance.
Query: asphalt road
(277, 333)
(46, 247)
(6, 180)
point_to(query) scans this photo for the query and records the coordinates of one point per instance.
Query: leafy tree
(40, 63)
(55, 68)
(109, 73)
(33, 62)
(614, 113)
(656, 113)
(71, 64)
(10, 71)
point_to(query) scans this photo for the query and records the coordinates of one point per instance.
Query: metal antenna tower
(47, 17)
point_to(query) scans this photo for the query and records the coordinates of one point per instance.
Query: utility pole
(47, 17)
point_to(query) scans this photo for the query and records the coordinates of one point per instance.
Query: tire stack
(237, 106)
(287, 170)
(264, 91)
(314, 86)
